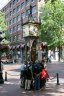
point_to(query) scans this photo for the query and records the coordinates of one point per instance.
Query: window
(22, 5)
(10, 13)
(11, 40)
(27, 2)
(14, 38)
(33, 0)
(34, 9)
(14, 29)
(10, 5)
(18, 27)
(19, 37)
(14, 1)
(18, 8)
(7, 23)
(35, 18)
(18, 0)
(14, 10)
(11, 30)
(10, 22)
(27, 12)
(7, 8)
(23, 15)
(18, 18)
(14, 20)
(6, 16)
(3, 10)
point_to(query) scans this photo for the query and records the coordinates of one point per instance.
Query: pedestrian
(44, 76)
(28, 77)
(32, 79)
(36, 76)
(22, 74)
(41, 63)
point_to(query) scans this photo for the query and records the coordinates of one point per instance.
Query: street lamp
(3, 47)
(30, 33)
(1, 77)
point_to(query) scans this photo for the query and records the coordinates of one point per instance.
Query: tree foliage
(4, 35)
(2, 24)
(52, 23)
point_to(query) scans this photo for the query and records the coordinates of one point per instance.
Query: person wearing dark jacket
(22, 75)
(36, 76)
(41, 63)
(28, 77)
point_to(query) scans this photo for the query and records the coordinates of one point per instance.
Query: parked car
(6, 61)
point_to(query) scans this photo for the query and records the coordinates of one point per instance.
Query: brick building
(16, 13)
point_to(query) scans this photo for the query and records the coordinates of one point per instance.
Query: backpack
(43, 74)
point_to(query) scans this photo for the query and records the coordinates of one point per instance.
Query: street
(11, 87)
(56, 68)
(53, 68)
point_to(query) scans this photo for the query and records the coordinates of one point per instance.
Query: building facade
(16, 13)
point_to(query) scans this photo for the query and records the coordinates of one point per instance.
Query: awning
(13, 47)
(22, 45)
(18, 46)
(10, 47)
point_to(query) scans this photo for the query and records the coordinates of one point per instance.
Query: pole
(5, 76)
(22, 36)
(57, 79)
(25, 50)
(1, 76)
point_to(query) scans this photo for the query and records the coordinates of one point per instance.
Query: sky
(3, 3)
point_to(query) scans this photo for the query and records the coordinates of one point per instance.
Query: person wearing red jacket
(43, 76)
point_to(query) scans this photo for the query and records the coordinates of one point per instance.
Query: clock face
(30, 30)
(25, 30)
(33, 29)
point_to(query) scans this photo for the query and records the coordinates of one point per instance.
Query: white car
(5, 61)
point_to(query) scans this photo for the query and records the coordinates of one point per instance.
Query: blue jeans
(37, 83)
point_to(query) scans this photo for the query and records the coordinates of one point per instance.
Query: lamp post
(30, 33)
(1, 76)
(3, 48)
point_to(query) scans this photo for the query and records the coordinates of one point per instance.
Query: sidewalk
(11, 87)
